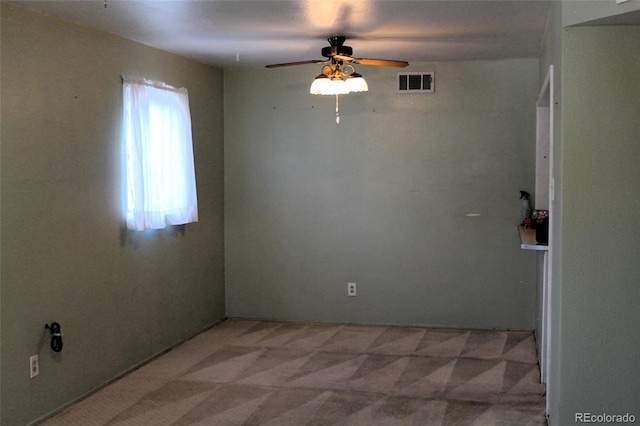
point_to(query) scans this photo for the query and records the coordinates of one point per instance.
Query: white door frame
(544, 110)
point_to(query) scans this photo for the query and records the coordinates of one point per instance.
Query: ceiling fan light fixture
(324, 85)
(356, 83)
(339, 76)
(338, 82)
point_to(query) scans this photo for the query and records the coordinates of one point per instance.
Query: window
(160, 174)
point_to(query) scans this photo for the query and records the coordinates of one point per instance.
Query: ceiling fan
(338, 53)
(338, 78)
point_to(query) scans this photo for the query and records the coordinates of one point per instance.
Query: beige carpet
(274, 373)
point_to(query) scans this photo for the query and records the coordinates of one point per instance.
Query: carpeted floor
(274, 373)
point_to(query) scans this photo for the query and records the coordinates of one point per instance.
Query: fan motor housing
(331, 51)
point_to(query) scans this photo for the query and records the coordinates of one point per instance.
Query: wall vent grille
(416, 82)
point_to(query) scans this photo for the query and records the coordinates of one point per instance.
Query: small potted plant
(541, 220)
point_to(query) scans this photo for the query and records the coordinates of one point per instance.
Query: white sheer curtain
(161, 184)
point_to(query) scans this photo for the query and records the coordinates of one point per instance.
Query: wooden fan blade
(380, 62)
(289, 64)
(374, 62)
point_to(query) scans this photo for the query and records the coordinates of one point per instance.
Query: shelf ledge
(528, 239)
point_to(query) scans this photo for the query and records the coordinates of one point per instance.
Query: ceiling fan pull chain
(337, 110)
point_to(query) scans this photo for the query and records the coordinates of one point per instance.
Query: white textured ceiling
(238, 33)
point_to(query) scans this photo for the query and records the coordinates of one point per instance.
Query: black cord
(56, 336)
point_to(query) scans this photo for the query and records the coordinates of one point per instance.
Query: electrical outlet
(34, 366)
(351, 289)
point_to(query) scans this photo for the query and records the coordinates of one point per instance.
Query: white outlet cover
(351, 289)
(34, 366)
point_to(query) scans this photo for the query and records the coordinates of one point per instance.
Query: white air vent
(415, 82)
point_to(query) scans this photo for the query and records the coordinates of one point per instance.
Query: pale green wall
(593, 358)
(600, 271)
(581, 12)
(121, 297)
(381, 198)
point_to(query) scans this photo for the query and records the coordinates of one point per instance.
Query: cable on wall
(56, 336)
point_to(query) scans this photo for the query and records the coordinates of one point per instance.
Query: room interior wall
(600, 271)
(113, 291)
(121, 297)
(592, 12)
(563, 387)
(381, 199)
